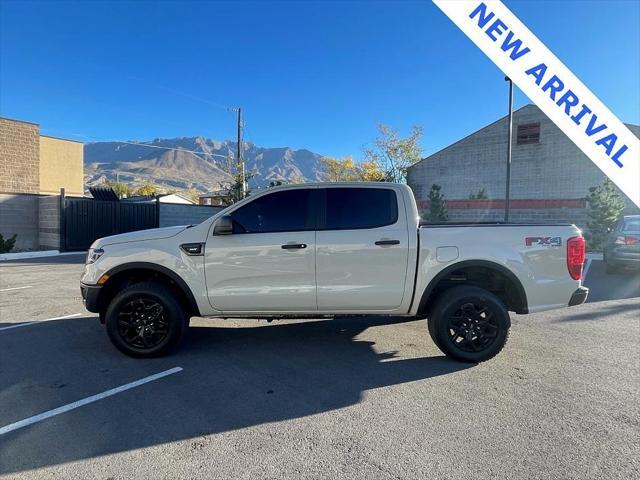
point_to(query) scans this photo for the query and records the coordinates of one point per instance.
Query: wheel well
(125, 278)
(493, 278)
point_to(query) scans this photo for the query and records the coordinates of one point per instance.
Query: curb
(40, 254)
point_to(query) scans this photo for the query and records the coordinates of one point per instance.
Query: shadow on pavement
(603, 287)
(233, 378)
(601, 312)
(71, 259)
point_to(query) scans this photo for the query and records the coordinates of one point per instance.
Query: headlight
(94, 254)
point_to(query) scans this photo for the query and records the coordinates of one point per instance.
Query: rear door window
(358, 208)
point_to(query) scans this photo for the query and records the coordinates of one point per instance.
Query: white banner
(552, 87)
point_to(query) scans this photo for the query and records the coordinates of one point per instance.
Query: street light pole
(243, 190)
(506, 204)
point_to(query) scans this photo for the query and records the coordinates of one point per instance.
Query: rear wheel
(469, 324)
(145, 320)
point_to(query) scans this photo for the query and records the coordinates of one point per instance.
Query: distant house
(167, 198)
(176, 198)
(221, 198)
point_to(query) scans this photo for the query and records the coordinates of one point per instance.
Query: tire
(469, 324)
(145, 320)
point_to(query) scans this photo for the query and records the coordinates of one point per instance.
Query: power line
(139, 144)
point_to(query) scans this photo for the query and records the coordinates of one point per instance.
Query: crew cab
(328, 250)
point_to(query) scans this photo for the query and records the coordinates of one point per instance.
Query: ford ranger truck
(329, 250)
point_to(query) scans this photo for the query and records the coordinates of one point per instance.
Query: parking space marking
(15, 288)
(94, 398)
(26, 324)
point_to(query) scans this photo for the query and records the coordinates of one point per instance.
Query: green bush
(7, 245)
(437, 207)
(605, 208)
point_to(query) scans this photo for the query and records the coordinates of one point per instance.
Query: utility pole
(239, 155)
(510, 129)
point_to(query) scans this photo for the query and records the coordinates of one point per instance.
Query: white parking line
(586, 269)
(94, 398)
(14, 288)
(26, 324)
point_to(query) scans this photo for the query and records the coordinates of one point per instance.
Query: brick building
(34, 163)
(550, 176)
(33, 169)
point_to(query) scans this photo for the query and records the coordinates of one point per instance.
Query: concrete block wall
(178, 214)
(19, 214)
(552, 168)
(19, 156)
(49, 222)
(577, 216)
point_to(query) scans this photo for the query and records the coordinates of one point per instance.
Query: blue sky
(316, 75)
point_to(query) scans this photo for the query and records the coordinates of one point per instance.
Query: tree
(437, 209)
(371, 172)
(339, 169)
(394, 154)
(235, 189)
(122, 190)
(7, 245)
(147, 189)
(605, 207)
(481, 195)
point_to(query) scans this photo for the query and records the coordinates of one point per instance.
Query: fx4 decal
(543, 241)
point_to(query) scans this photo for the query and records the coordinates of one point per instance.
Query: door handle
(388, 242)
(294, 246)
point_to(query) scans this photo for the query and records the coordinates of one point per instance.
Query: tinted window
(631, 225)
(277, 212)
(351, 208)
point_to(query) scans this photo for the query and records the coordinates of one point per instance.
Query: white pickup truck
(327, 250)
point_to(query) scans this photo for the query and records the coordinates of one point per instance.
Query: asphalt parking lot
(350, 398)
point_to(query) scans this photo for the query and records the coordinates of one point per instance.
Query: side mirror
(224, 226)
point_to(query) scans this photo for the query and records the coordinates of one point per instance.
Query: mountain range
(198, 163)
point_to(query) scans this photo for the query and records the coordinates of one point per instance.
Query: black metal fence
(85, 220)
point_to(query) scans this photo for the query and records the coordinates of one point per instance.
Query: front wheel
(469, 324)
(145, 320)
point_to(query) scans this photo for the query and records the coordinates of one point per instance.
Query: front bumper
(90, 294)
(579, 296)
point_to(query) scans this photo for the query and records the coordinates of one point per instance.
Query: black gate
(86, 220)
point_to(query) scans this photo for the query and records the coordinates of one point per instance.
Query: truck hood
(140, 235)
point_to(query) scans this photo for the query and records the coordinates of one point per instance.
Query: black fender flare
(177, 279)
(522, 307)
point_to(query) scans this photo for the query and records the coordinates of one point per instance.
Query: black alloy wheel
(146, 320)
(469, 324)
(473, 327)
(141, 323)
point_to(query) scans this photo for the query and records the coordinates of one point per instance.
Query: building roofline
(469, 135)
(489, 125)
(19, 121)
(64, 139)
(179, 194)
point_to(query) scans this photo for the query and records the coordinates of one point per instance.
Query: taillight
(626, 240)
(575, 257)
